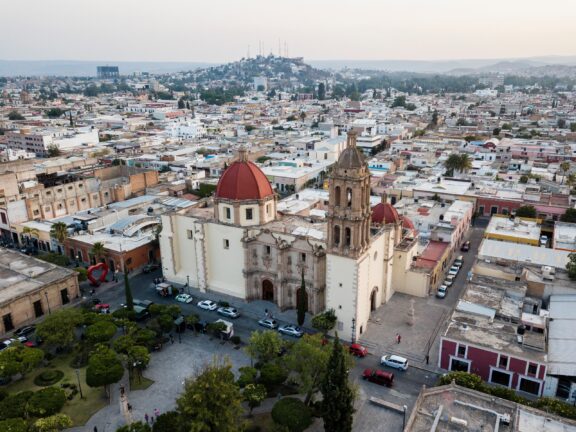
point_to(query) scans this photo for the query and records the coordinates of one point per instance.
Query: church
(236, 243)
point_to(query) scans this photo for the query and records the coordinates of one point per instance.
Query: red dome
(243, 180)
(408, 224)
(384, 213)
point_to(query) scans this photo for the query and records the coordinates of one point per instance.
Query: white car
(229, 312)
(453, 270)
(291, 330)
(208, 305)
(448, 281)
(441, 293)
(268, 323)
(394, 361)
(184, 298)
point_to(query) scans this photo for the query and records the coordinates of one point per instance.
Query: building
(498, 333)
(564, 237)
(238, 244)
(107, 72)
(31, 288)
(41, 140)
(515, 230)
(455, 408)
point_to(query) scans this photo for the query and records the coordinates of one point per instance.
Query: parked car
(268, 323)
(207, 305)
(453, 270)
(394, 361)
(25, 331)
(291, 330)
(358, 350)
(184, 298)
(149, 268)
(140, 313)
(449, 281)
(459, 261)
(144, 303)
(33, 342)
(378, 377)
(441, 293)
(466, 246)
(229, 312)
(543, 241)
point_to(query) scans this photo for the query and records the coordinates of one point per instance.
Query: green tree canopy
(571, 266)
(254, 394)
(57, 329)
(104, 368)
(15, 115)
(19, 359)
(100, 332)
(217, 410)
(337, 396)
(59, 232)
(325, 321)
(54, 423)
(264, 346)
(569, 215)
(527, 211)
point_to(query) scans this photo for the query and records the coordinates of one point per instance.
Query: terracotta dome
(384, 213)
(408, 224)
(243, 180)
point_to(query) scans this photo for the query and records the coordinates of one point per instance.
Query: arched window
(348, 236)
(337, 196)
(336, 235)
(349, 197)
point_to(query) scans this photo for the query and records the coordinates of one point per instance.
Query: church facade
(237, 244)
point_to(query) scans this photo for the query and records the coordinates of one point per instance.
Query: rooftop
(565, 236)
(21, 275)
(517, 228)
(505, 252)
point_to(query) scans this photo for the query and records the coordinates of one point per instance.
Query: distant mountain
(88, 68)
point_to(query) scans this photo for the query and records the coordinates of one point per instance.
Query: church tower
(349, 203)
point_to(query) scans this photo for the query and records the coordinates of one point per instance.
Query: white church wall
(225, 259)
(341, 283)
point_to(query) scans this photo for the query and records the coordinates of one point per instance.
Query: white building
(40, 140)
(184, 129)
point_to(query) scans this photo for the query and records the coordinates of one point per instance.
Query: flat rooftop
(516, 253)
(565, 236)
(516, 228)
(21, 275)
(445, 186)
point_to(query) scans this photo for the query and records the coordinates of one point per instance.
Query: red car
(358, 350)
(378, 377)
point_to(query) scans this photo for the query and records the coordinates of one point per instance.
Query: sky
(222, 30)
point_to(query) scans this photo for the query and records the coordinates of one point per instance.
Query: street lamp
(405, 408)
(47, 302)
(79, 385)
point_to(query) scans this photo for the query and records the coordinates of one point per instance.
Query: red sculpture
(102, 278)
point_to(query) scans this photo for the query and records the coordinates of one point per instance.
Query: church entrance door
(267, 290)
(373, 300)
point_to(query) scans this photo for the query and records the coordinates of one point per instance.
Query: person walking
(146, 417)
(171, 338)
(156, 412)
(95, 429)
(398, 338)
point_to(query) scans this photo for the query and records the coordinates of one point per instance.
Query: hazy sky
(221, 30)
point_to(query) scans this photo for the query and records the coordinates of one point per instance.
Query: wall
(341, 286)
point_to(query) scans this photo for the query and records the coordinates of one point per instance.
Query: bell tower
(349, 203)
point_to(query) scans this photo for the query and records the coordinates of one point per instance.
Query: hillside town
(428, 224)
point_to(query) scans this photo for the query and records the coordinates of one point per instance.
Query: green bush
(292, 413)
(247, 376)
(3, 395)
(463, 379)
(124, 313)
(506, 393)
(54, 258)
(46, 402)
(100, 331)
(82, 274)
(272, 374)
(48, 378)
(555, 406)
(15, 405)
(14, 425)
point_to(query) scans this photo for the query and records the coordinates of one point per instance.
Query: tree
(254, 394)
(14, 425)
(452, 163)
(54, 150)
(30, 232)
(217, 410)
(524, 178)
(571, 266)
(128, 293)
(170, 421)
(59, 232)
(308, 358)
(15, 115)
(264, 345)
(302, 302)
(98, 250)
(321, 91)
(54, 423)
(57, 329)
(496, 131)
(181, 104)
(138, 359)
(569, 215)
(561, 123)
(54, 113)
(100, 332)
(338, 397)
(527, 211)
(135, 427)
(564, 167)
(325, 321)
(192, 321)
(292, 414)
(399, 101)
(104, 368)
(572, 127)
(19, 359)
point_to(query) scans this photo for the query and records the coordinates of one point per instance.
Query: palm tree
(59, 232)
(30, 232)
(465, 163)
(571, 180)
(452, 163)
(97, 251)
(565, 167)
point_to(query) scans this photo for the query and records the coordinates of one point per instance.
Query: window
(349, 197)
(226, 244)
(38, 311)
(8, 325)
(457, 365)
(493, 210)
(83, 200)
(189, 234)
(64, 296)
(268, 209)
(303, 257)
(36, 212)
(347, 236)
(532, 369)
(503, 362)
(129, 261)
(48, 193)
(249, 214)
(529, 386)
(501, 378)
(461, 350)
(59, 190)
(481, 210)
(80, 185)
(336, 235)
(47, 208)
(337, 196)
(268, 250)
(70, 187)
(228, 213)
(3, 216)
